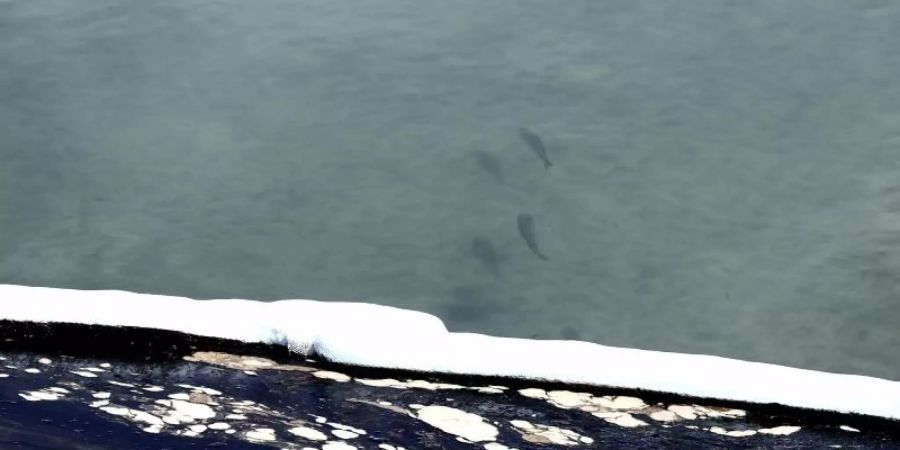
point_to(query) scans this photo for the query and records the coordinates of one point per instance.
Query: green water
(725, 179)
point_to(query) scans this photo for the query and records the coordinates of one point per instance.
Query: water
(725, 174)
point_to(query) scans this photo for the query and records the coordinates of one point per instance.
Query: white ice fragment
(621, 402)
(684, 411)
(84, 373)
(260, 435)
(195, 410)
(152, 429)
(115, 410)
(34, 396)
(533, 393)
(783, 430)
(347, 428)
(344, 434)
(459, 423)
(621, 419)
(338, 445)
(308, 433)
(568, 399)
(734, 433)
(495, 446)
(150, 419)
(335, 376)
(205, 390)
(663, 416)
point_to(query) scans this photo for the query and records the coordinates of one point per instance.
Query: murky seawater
(725, 176)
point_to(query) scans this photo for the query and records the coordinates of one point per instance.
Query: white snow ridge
(386, 337)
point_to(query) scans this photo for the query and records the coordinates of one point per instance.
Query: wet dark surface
(61, 425)
(145, 372)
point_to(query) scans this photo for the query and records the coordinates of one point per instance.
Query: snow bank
(386, 337)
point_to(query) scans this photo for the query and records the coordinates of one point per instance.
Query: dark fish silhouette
(537, 145)
(489, 164)
(484, 251)
(526, 229)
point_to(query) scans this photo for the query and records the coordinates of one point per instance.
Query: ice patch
(460, 423)
(308, 433)
(386, 337)
(260, 435)
(43, 395)
(344, 434)
(84, 373)
(782, 430)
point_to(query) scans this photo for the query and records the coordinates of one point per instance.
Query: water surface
(724, 178)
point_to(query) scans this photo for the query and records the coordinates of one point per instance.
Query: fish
(490, 164)
(537, 145)
(526, 230)
(484, 251)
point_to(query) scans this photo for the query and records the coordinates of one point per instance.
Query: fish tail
(547, 164)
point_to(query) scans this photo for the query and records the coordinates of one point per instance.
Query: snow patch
(386, 337)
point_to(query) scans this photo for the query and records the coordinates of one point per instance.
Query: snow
(386, 337)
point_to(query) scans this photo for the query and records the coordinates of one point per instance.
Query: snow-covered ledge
(385, 337)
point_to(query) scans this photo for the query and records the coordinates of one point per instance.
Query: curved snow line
(386, 337)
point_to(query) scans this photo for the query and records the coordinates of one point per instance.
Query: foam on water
(386, 337)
